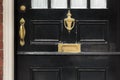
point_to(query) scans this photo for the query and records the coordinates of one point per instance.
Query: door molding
(8, 39)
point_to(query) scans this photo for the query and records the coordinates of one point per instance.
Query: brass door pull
(69, 22)
(22, 32)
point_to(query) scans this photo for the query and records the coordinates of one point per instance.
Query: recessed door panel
(91, 74)
(41, 29)
(45, 74)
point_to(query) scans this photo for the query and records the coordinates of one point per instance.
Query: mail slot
(69, 48)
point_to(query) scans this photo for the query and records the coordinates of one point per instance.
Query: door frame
(8, 39)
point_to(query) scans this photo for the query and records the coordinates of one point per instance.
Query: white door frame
(8, 39)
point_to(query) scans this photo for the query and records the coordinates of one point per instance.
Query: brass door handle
(69, 22)
(22, 32)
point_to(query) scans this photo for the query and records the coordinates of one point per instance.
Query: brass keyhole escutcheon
(23, 8)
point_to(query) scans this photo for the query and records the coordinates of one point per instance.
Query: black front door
(41, 25)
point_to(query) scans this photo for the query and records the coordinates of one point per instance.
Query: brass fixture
(22, 32)
(69, 22)
(69, 48)
(23, 8)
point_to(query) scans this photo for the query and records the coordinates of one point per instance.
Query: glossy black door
(96, 29)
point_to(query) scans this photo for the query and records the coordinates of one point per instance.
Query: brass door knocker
(69, 22)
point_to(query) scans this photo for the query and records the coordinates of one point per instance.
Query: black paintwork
(98, 30)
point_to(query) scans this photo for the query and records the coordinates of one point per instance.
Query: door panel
(95, 22)
(93, 30)
(41, 29)
(100, 23)
(91, 74)
(45, 74)
(66, 67)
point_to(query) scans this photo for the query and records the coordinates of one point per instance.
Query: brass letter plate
(69, 48)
